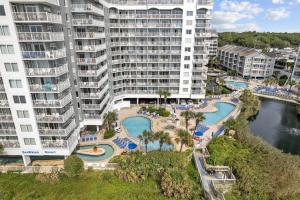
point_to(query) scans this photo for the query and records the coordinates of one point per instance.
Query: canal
(278, 124)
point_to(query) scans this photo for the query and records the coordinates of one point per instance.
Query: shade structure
(200, 130)
(132, 146)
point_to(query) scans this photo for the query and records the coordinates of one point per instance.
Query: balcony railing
(88, 22)
(55, 117)
(58, 132)
(87, 48)
(52, 88)
(86, 8)
(7, 132)
(37, 17)
(56, 71)
(97, 95)
(10, 143)
(41, 36)
(92, 72)
(56, 103)
(53, 2)
(91, 60)
(4, 104)
(6, 118)
(96, 106)
(92, 84)
(88, 35)
(146, 2)
(44, 55)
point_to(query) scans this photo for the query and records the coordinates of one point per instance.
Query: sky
(257, 15)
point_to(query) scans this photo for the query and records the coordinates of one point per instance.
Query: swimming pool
(224, 109)
(136, 125)
(237, 85)
(109, 151)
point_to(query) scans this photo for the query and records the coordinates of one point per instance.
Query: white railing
(92, 72)
(88, 22)
(86, 8)
(53, 103)
(8, 132)
(89, 35)
(94, 95)
(6, 118)
(61, 86)
(37, 17)
(9, 143)
(58, 132)
(3, 103)
(55, 117)
(91, 60)
(54, 54)
(96, 47)
(41, 36)
(56, 71)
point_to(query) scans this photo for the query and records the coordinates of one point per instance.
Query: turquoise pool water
(237, 85)
(224, 109)
(109, 151)
(136, 125)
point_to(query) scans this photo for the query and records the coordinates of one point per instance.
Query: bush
(73, 166)
(109, 133)
(51, 178)
(161, 111)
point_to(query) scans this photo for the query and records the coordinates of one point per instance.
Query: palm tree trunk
(186, 124)
(181, 146)
(146, 148)
(160, 146)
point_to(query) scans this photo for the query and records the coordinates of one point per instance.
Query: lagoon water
(277, 123)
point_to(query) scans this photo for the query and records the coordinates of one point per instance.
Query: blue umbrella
(132, 146)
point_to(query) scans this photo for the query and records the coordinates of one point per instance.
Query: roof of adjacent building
(243, 51)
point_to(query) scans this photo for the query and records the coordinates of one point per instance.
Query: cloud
(277, 14)
(232, 12)
(278, 1)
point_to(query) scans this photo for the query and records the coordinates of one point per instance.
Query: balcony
(97, 95)
(47, 72)
(2, 89)
(89, 35)
(56, 103)
(55, 117)
(96, 84)
(50, 2)
(41, 36)
(9, 143)
(8, 132)
(44, 55)
(96, 106)
(92, 72)
(88, 22)
(90, 61)
(4, 103)
(51, 88)
(58, 132)
(87, 8)
(37, 17)
(90, 48)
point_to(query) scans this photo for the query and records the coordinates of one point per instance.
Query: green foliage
(262, 171)
(1, 148)
(73, 166)
(184, 138)
(260, 40)
(109, 133)
(110, 118)
(163, 138)
(51, 178)
(146, 137)
(161, 111)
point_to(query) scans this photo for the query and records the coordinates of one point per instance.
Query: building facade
(65, 63)
(247, 62)
(296, 70)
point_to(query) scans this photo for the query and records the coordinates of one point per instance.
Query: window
(26, 128)
(185, 82)
(186, 74)
(185, 89)
(19, 99)
(189, 13)
(187, 49)
(23, 114)
(6, 49)
(2, 11)
(15, 83)
(187, 57)
(186, 66)
(29, 141)
(11, 67)
(189, 32)
(4, 30)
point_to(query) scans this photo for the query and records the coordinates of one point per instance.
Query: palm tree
(163, 138)
(146, 137)
(292, 83)
(184, 137)
(166, 94)
(160, 93)
(267, 82)
(199, 117)
(187, 116)
(221, 81)
(110, 118)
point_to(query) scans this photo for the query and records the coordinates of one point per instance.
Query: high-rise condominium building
(296, 70)
(64, 63)
(247, 62)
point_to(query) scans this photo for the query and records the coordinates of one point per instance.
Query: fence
(30, 169)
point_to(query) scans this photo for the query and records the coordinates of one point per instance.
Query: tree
(160, 94)
(146, 137)
(184, 137)
(187, 116)
(1, 148)
(166, 94)
(163, 138)
(291, 84)
(73, 166)
(110, 118)
(221, 81)
(199, 117)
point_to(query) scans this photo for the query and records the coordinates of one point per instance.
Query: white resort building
(64, 63)
(247, 62)
(296, 70)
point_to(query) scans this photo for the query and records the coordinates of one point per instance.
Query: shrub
(109, 133)
(161, 111)
(73, 166)
(51, 178)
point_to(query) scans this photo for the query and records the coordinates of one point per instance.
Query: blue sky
(257, 15)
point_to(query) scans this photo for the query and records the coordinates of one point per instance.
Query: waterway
(278, 124)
